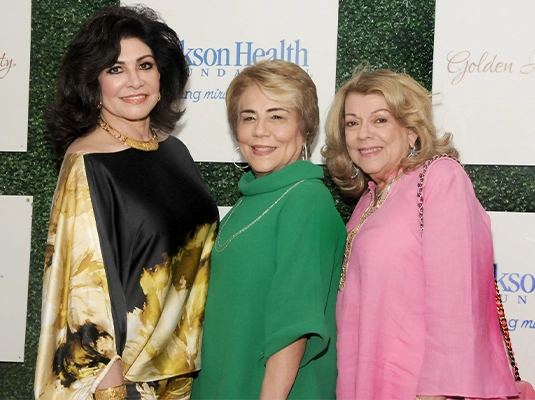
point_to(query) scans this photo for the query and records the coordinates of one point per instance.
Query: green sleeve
(310, 237)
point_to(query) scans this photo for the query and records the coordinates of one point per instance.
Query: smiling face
(268, 132)
(376, 142)
(130, 88)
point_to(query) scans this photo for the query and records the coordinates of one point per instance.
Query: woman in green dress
(269, 320)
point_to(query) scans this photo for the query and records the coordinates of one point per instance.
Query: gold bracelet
(113, 393)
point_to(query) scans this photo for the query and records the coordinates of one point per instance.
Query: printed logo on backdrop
(6, 64)
(517, 288)
(462, 63)
(227, 62)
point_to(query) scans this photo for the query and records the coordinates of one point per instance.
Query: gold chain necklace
(376, 202)
(151, 145)
(220, 247)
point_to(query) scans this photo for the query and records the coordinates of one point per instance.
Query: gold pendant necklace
(151, 145)
(376, 202)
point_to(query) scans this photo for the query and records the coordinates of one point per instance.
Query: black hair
(95, 47)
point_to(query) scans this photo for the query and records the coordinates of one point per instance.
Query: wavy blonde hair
(283, 82)
(408, 101)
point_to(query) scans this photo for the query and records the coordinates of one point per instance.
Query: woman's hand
(281, 370)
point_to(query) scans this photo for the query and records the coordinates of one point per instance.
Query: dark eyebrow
(138, 59)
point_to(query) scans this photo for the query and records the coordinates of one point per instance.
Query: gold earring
(99, 105)
(159, 96)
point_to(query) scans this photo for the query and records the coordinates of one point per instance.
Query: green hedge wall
(387, 33)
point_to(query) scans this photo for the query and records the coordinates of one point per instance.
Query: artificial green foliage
(222, 180)
(392, 34)
(344, 204)
(504, 188)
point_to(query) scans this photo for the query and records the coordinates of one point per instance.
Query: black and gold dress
(126, 273)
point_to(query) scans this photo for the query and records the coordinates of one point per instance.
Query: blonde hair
(408, 101)
(280, 81)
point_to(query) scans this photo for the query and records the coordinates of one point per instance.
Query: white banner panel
(15, 241)
(484, 78)
(222, 37)
(223, 210)
(15, 38)
(514, 247)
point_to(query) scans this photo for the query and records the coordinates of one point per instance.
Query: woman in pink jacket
(416, 312)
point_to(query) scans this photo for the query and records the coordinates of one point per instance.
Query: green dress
(274, 279)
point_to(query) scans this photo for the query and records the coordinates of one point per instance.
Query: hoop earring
(413, 152)
(305, 152)
(354, 176)
(99, 105)
(234, 161)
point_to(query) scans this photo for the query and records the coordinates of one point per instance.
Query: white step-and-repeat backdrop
(484, 79)
(15, 238)
(15, 37)
(484, 93)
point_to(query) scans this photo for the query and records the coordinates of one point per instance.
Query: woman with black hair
(132, 222)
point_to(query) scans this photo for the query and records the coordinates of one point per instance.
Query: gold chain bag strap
(525, 389)
(505, 333)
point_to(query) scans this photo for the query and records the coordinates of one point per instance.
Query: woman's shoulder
(311, 197)
(173, 142)
(446, 173)
(72, 176)
(311, 189)
(444, 167)
(96, 141)
(443, 163)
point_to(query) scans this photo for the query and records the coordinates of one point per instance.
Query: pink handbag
(525, 390)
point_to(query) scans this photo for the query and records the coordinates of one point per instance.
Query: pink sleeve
(464, 354)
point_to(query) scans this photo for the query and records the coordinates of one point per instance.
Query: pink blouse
(417, 315)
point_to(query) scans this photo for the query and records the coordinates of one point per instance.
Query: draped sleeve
(77, 344)
(464, 354)
(310, 238)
